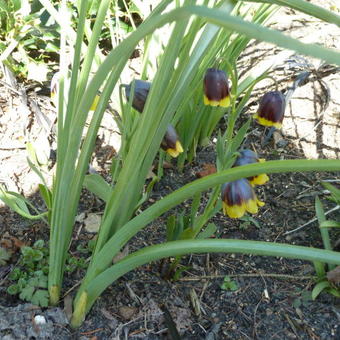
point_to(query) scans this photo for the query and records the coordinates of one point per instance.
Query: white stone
(39, 320)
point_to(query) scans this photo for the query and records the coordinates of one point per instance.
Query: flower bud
(141, 91)
(216, 88)
(171, 143)
(238, 197)
(271, 109)
(248, 157)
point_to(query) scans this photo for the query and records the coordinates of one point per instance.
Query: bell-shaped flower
(141, 91)
(271, 109)
(171, 143)
(216, 88)
(248, 157)
(238, 197)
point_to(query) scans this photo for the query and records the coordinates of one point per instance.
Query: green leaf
(330, 224)
(91, 244)
(319, 288)
(170, 227)
(4, 6)
(22, 282)
(335, 192)
(42, 283)
(18, 203)
(305, 7)
(194, 207)
(27, 293)
(179, 271)
(229, 284)
(179, 227)
(220, 154)
(31, 255)
(148, 192)
(320, 269)
(32, 156)
(13, 289)
(334, 291)
(40, 298)
(208, 231)
(37, 255)
(133, 8)
(187, 233)
(251, 219)
(39, 244)
(94, 7)
(51, 47)
(99, 283)
(16, 5)
(33, 282)
(46, 194)
(98, 186)
(27, 251)
(320, 213)
(44, 16)
(15, 274)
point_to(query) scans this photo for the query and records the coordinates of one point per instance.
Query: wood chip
(208, 169)
(127, 312)
(334, 275)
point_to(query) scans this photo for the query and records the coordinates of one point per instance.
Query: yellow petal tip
(175, 152)
(225, 102)
(266, 122)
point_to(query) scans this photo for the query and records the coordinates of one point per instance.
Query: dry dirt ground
(272, 299)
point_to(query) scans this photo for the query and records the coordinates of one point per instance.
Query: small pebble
(39, 320)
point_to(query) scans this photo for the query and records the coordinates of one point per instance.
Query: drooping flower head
(248, 157)
(216, 88)
(238, 197)
(171, 143)
(271, 109)
(141, 91)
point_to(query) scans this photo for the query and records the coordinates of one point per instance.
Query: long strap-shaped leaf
(305, 7)
(175, 248)
(61, 220)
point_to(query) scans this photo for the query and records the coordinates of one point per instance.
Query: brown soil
(272, 299)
